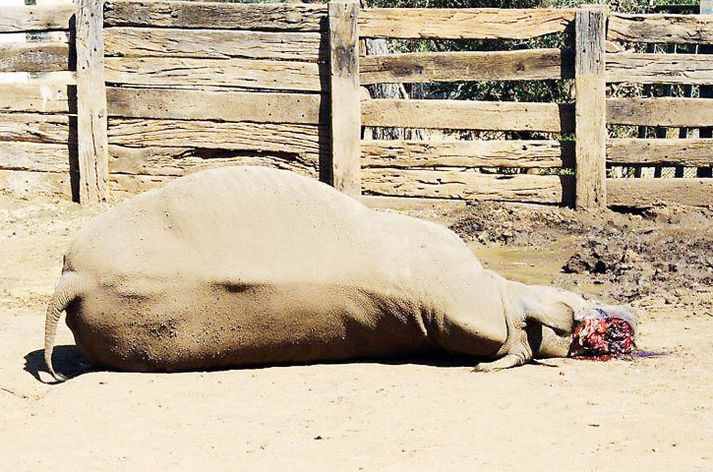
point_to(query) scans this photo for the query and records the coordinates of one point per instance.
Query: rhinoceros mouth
(603, 337)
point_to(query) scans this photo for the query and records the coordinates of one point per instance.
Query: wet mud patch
(644, 263)
(662, 251)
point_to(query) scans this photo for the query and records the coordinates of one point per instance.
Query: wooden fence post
(92, 141)
(590, 95)
(345, 112)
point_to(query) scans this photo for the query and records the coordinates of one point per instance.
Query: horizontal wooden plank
(34, 57)
(465, 185)
(182, 161)
(35, 185)
(687, 152)
(214, 105)
(649, 68)
(668, 29)
(451, 153)
(532, 64)
(247, 73)
(645, 192)
(123, 186)
(213, 44)
(20, 19)
(462, 23)
(214, 15)
(407, 204)
(462, 114)
(675, 112)
(34, 127)
(35, 157)
(305, 141)
(36, 96)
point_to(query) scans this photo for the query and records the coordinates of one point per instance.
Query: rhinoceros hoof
(506, 362)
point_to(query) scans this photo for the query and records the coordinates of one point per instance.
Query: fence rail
(38, 117)
(166, 88)
(463, 23)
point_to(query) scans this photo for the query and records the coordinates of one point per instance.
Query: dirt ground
(648, 414)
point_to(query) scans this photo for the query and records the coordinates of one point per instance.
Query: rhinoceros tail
(68, 290)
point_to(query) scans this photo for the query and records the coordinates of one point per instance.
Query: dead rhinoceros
(250, 266)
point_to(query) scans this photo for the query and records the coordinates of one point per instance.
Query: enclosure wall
(166, 88)
(198, 85)
(38, 149)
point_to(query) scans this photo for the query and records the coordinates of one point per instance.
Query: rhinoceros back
(226, 222)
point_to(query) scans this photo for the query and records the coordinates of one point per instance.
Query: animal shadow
(66, 360)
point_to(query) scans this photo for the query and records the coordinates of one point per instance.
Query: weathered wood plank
(532, 64)
(34, 57)
(687, 152)
(667, 29)
(291, 17)
(183, 161)
(36, 96)
(674, 112)
(465, 185)
(649, 68)
(214, 105)
(451, 153)
(32, 127)
(91, 103)
(35, 157)
(213, 44)
(462, 114)
(643, 192)
(256, 74)
(35, 185)
(611, 47)
(462, 23)
(344, 97)
(124, 186)
(406, 204)
(591, 129)
(20, 19)
(288, 138)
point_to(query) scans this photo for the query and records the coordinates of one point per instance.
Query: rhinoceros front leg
(517, 350)
(533, 305)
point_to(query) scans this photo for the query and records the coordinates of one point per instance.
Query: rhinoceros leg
(517, 350)
(534, 305)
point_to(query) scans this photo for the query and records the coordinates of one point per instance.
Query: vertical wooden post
(345, 110)
(590, 87)
(92, 141)
(705, 91)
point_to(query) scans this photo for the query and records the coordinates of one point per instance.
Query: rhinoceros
(250, 266)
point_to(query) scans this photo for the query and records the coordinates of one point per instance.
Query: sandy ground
(648, 414)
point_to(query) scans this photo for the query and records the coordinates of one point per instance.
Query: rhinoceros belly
(171, 325)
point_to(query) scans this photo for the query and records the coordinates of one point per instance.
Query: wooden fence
(164, 88)
(650, 68)
(442, 168)
(38, 117)
(195, 85)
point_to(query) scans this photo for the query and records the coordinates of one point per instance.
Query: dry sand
(649, 414)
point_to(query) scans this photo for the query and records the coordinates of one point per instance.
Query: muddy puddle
(538, 265)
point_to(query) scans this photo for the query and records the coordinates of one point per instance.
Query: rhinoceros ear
(557, 315)
(555, 308)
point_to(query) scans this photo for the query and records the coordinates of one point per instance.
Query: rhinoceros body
(249, 266)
